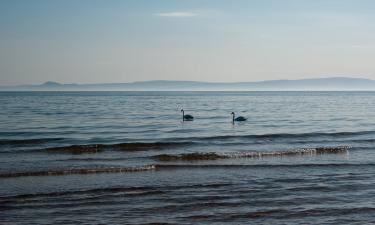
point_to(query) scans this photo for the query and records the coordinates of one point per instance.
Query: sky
(108, 41)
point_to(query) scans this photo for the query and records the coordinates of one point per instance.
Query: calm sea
(127, 158)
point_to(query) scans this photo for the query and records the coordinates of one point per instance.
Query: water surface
(126, 157)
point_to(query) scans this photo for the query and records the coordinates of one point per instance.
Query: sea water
(128, 158)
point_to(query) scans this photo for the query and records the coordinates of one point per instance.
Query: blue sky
(96, 41)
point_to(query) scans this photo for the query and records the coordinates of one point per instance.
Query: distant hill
(320, 84)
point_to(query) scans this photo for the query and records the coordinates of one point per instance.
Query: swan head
(232, 113)
(182, 110)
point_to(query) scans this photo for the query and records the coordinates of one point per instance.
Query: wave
(181, 142)
(132, 190)
(280, 213)
(255, 166)
(232, 155)
(79, 171)
(77, 149)
(135, 146)
(140, 146)
(27, 141)
(161, 167)
(288, 135)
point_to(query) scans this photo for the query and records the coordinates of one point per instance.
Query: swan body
(186, 117)
(240, 118)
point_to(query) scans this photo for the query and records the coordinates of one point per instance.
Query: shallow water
(126, 157)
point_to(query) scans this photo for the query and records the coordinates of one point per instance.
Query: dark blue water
(127, 158)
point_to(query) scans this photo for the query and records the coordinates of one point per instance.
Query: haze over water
(127, 157)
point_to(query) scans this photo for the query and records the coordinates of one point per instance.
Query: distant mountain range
(320, 84)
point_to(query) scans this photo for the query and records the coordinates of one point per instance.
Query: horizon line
(196, 81)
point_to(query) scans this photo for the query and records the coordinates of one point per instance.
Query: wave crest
(27, 141)
(135, 146)
(233, 155)
(79, 171)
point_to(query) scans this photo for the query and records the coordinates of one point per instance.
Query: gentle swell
(77, 149)
(289, 135)
(161, 167)
(232, 155)
(141, 146)
(79, 171)
(134, 190)
(178, 142)
(255, 166)
(27, 141)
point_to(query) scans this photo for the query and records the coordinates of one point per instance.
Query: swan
(186, 117)
(240, 118)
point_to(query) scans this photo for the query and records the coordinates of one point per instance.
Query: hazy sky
(78, 41)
